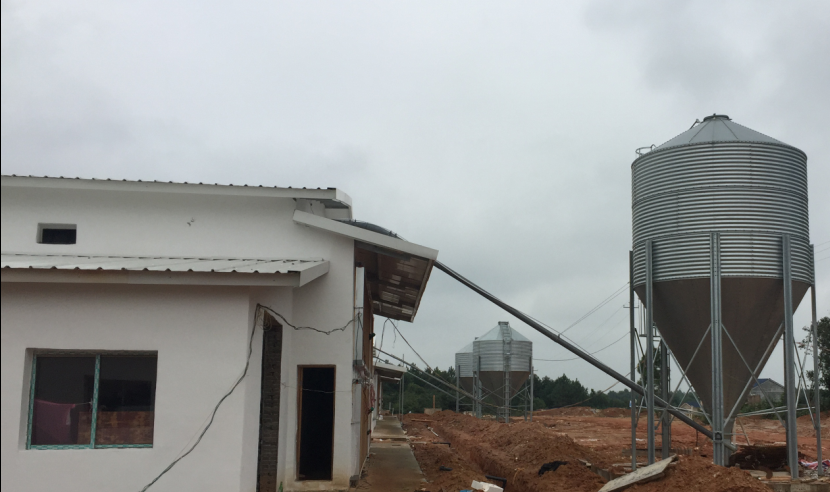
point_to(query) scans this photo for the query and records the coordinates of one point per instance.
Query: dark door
(316, 415)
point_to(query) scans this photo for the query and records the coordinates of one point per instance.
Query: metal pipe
(650, 350)
(718, 451)
(413, 366)
(401, 397)
(816, 379)
(427, 382)
(789, 361)
(664, 389)
(633, 331)
(569, 346)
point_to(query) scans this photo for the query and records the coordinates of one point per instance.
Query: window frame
(95, 385)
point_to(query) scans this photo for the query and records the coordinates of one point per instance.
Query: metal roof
(157, 263)
(330, 197)
(718, 128)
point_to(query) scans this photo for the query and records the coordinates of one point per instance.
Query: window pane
(126, 400)
(62, 400)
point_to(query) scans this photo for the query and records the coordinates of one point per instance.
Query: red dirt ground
(604, 433)
(517, 451)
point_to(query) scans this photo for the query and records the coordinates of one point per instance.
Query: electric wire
(592, 353)
(595, 309)
(257, 320)
(410, 345)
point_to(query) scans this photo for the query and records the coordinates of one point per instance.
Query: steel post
(532, 377)
(457, 383)
(789, 361)
(718, 450)
(633, 331)
(665, 388)
(401, 397)
(477, 388)
(816, 378)
(650, 350)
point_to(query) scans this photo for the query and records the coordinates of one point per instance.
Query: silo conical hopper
(464, 367)
(721, 177)
(503, 358)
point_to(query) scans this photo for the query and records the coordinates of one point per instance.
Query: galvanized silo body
(721, 191)
(464, 367)
(502, 358)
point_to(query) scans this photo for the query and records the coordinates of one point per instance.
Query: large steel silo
(720, 212)
(464, 367)
(502, 358)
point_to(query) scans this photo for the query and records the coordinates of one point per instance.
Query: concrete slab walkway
(391, 466)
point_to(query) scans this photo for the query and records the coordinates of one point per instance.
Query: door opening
(316, 422)
(269, 406)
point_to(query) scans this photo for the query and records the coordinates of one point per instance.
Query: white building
(128, 313)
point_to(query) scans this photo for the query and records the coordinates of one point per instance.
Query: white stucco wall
(199, 332)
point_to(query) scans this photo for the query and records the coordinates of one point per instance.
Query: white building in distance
(130, 310)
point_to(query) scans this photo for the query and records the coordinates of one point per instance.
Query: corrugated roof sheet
(158, 264)
(331, 197)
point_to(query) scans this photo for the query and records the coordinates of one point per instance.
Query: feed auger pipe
(574, 349)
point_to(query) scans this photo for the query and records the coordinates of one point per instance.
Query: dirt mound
(518, 450)
(515, 452)
(566, 412)
(694, 474)
(615, 412)
(431, 457)
(807, 418)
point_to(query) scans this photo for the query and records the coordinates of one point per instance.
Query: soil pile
(694, 474)
(515, 452)
(431, 457)
(615, 412)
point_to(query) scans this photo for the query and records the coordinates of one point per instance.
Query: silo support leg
(650, 351)
(718, 449)
(664, 389)
(816, 380)
(633, 333)
(789, 361)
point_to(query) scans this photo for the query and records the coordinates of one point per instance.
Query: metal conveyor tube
(575, 350)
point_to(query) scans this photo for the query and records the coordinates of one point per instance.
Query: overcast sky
(499, 133)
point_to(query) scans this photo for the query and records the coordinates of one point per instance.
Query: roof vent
(717, 117)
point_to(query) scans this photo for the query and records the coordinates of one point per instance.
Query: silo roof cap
(718, 128)
(495, 334)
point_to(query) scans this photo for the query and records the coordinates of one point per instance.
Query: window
(92, 400)
(57, 233)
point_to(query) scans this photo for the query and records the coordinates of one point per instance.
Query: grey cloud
(500, 134)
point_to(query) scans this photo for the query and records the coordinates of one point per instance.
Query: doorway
(316, 422)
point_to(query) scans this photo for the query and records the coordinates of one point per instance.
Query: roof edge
(337, 198)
